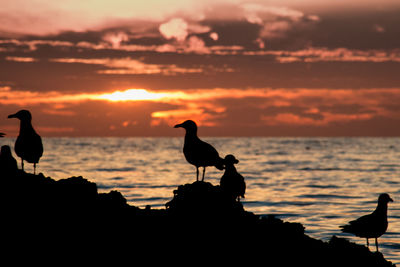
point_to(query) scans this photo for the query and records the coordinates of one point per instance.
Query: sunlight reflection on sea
(319, 182)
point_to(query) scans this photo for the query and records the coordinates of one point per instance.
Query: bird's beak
(178, 125)
(390, 199)
(12, 116)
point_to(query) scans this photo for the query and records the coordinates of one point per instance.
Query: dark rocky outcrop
(199, 225)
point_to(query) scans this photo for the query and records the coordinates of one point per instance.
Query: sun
(132, 95)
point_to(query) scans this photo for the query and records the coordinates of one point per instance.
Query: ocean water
(319, 182)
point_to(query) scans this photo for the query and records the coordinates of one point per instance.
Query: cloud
(32, 45)
(216, 108)
(275, 20)
(323, 54)
(214, 36)
(258, 13)
(44, 17)
(378, 28)
(175, 28)
(176, 20)
(129, 66)
(21, 59)
(115, 39)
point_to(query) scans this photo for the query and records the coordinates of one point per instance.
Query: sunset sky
(237, 67)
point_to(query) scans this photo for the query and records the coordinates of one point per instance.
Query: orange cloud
(21, 59)
(175, 28)
(129, 66)
(215, 107)
(293, 119)
(315, 54)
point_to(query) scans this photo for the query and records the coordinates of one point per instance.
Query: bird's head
(230, 160)
(23, 115)
(188, 125)
(384, 198)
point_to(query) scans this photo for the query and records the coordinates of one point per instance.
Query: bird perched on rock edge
(198, 152)
(28, 145)
(372, 225)
(232, 182)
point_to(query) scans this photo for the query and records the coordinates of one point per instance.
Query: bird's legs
(376, 243)
(197, 173)
(204, 172)
(22, 164)
(367, 243)
(34, 168)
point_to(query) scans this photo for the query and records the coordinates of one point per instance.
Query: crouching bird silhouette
(372, 225)
(232, 182)
(198, 152)
(28, 145)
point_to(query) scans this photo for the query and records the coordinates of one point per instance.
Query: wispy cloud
(129, 66)
(275, 20)
(322, 54)
(21, 59)
(31, 45)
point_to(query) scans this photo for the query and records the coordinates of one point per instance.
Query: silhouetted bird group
(28, 145)
(202, 154)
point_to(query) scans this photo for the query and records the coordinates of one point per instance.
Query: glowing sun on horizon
(132, 95)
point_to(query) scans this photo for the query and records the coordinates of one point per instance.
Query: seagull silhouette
(28, 145)
(198, 152)
(372, 225)
(232, 182)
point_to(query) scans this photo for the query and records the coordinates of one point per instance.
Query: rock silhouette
(232, 182)
(372, 225)
(8, 165)
(28, 145)
(69, 218)
(198, 152)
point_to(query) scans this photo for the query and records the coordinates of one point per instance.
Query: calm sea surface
(319, 182)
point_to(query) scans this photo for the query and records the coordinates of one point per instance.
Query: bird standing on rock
(232, 182)
(28, 145)
(198, 152)
(372, 225)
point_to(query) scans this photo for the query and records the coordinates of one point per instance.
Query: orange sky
(237, 67)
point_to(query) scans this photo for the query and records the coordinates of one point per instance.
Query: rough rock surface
(200, 224)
